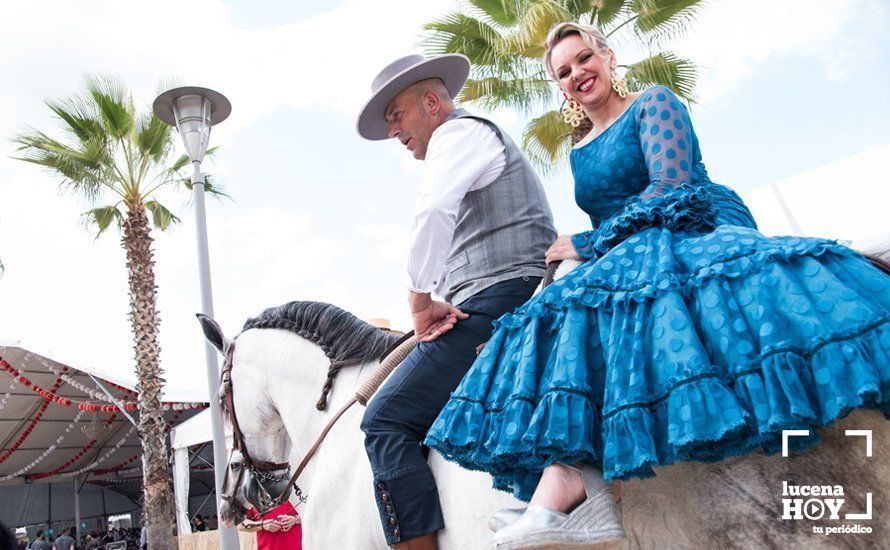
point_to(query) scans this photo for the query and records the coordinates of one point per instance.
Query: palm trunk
(158, 499)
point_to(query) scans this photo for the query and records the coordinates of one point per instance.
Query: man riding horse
(481, 225)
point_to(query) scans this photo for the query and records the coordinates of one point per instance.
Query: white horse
(276, 378)
(736, 503)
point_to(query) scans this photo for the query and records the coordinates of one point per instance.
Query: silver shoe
(595, 522)
(504, 517)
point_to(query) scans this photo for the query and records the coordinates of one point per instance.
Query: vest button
(392, 521)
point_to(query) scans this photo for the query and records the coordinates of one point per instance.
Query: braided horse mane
(344, 338)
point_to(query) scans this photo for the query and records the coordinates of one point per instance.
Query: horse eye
(236, 465)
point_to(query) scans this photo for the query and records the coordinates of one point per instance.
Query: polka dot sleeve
(670, 199)
(665, 133)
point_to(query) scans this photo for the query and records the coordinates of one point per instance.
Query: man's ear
(431, 102)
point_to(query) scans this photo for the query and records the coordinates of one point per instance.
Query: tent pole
(795, 227)
(104, 514)
(118, 402)
(76, 511)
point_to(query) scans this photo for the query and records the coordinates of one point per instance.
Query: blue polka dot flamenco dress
(686, 335)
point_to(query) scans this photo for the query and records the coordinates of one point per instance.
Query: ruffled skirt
(674, 346)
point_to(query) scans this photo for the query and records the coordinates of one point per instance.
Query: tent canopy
(59, 423)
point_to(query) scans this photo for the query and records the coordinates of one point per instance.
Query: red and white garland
(48, 451)
(75, 458)
(115, 481)
(34, 420)
(12, 387)
(104, 457)
(121, 466)
(50, 395)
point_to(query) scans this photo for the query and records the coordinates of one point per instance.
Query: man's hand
(561, 249)
(287, 522)
(432, 318)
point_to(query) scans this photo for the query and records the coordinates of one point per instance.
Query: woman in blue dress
(685, 335)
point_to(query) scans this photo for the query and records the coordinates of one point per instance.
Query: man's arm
(463, 155)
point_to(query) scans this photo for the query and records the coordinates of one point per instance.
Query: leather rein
(261, 468)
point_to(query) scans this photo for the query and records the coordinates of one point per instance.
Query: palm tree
(504, 41)
(119, 159)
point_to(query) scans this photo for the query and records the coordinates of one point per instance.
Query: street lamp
(194, 111)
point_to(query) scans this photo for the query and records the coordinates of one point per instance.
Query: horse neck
(287, 373)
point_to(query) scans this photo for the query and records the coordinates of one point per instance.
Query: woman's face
(581, 72)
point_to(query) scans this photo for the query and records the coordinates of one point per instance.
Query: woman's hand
(287, 522)
(271, 525)
(561, 249)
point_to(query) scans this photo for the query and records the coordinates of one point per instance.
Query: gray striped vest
(503, 229)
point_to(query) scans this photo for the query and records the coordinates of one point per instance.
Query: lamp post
(194, 111)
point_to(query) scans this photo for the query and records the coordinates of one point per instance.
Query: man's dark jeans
(399, 415)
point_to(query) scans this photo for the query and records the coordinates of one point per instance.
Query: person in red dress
(278, 529)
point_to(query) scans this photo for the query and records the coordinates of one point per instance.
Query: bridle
(262, 471)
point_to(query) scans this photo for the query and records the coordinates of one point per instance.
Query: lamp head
(194, 111)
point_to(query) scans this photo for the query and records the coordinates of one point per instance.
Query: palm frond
(161, 216)
(666, 69)
(184, 161)
(78, 117)
(102, 217)
(476, 39)
(664, 18)
(547, 140)
(605, 13)
(84, 169)
(153, 137)
(521, 93)
(210, 187)
(113, 102)
(503, 12)
(529, 34)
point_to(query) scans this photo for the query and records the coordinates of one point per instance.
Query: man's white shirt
(463, 155)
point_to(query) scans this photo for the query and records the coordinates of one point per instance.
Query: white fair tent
(61, 465)
(194, 432)
(847, 200)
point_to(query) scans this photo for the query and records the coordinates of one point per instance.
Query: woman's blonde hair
(591, 36)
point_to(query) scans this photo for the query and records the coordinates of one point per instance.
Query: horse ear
(212, 332)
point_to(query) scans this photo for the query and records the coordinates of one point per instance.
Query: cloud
(390, 240)
(325, 61)
(731, 38)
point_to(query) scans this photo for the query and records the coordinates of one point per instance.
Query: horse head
(257, 473)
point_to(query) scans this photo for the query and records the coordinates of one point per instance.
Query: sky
(316, 213)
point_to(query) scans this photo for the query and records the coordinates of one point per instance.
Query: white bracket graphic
(786, 434)
(867, 514)
(867, 435)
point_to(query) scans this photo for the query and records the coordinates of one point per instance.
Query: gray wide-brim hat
(452, 69)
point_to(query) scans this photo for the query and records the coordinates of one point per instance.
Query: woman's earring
(618, 84)
(572, 113)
